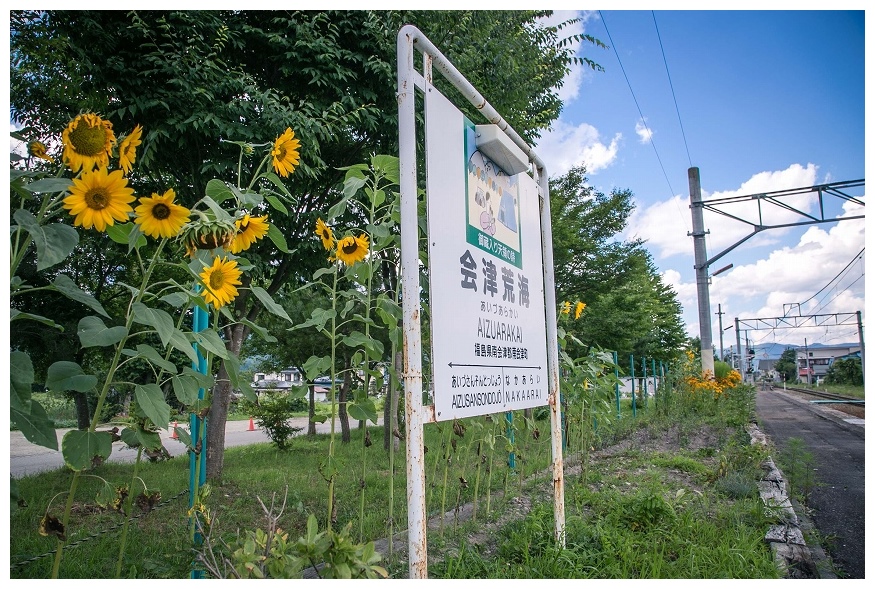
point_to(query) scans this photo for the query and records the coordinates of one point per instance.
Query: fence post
(511, 458)
(644, 380)
(632, 371)
(653, 372)
(617, 384)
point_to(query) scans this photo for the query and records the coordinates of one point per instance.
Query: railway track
(828, 396)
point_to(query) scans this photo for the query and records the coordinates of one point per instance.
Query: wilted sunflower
(97, 199)
(285, 153)
(127, 150)
(578, 309)
(325, 234)
(566, 308)
(249, 229)
(159, 216)
(38, 149)
(88, 142)
(221, 280)
(352, 249)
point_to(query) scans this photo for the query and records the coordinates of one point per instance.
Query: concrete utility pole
(862, 348)
(720, 325)
(701, 258)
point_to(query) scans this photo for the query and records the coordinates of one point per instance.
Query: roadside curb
(791, 554)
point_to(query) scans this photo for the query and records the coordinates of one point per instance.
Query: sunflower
(249, 229)
(352, 249)
(38, 149)
(97, 199)
(285, 153)
(325, 234)
(127, 150)
(220, 281)
(578, 309)
(88, 142)
(158, 216)
(566, 308)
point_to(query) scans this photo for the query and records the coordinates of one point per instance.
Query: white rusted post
(412, 343)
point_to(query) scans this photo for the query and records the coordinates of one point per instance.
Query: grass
(647, 505)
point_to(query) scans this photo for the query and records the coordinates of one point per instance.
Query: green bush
(273, 412)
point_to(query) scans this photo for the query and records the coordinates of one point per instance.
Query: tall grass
(632, 517)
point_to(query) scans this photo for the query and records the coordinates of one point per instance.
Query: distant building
(812, 364)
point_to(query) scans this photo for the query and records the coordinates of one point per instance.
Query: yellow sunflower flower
(578, 309)
(98, 199)
(127, 150)
(285, 153)
(88, 142)
(38, 149)
(566, 308)
(325, 234)
(159, 216)
(249, 230)
(220, 282)
(352, 249)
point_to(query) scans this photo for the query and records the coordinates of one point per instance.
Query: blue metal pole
(198, 426)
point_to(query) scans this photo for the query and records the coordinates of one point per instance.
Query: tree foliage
(845, 371)
(195, 78)
(629, 308)
(786, 364)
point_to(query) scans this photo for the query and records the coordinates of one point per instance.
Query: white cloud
(665, 224)
(645, 133)
(565, 146)
(785, 282)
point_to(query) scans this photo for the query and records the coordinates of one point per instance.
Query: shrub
(273, 412)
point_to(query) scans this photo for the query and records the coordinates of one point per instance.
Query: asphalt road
(26, 458)
(837, 443)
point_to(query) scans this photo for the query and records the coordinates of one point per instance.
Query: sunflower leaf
(93, 332)
(160, 320)
(219, 191)
(275, 180)
(150, 398)
(79, 448)
(46, 185)
(275, 203)
(68, 288)
(124, 234)
(54, 242)
(211, 342)
(69, 376)
(278, 239)
(16, 314)
(269, 303)
(21, 375)
(35, 425)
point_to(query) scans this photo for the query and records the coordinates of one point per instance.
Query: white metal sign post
(492, 298)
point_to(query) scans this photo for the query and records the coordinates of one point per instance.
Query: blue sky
(757, 100)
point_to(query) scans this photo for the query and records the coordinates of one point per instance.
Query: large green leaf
(181, 343)
(389, 165)
(148, 352)
(47, 185)
(362, 410)
(54, 242)
(315, 366)
(278, 239)
(93, 332)
(15, 314)
(150, 398)
(79, 448)
(68, 288)
(21, 375)
(185, 388)
(269, 304)
(219, 191)
(210, 341)
(69, 376)
(35, 425)
(160, 320)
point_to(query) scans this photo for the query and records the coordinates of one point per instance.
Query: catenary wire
(677, 110)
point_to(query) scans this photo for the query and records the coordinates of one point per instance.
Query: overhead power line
(629, 84)
(677, 110)
(836, 277)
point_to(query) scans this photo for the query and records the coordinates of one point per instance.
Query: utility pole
(720, 325)
(701, 266)
(738, 347)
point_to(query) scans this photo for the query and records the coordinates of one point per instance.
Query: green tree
(845, 371)
(193, 78)
(786, 364)
(629, 308)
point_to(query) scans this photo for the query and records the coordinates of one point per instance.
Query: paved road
(26, 458)
(837, 442)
